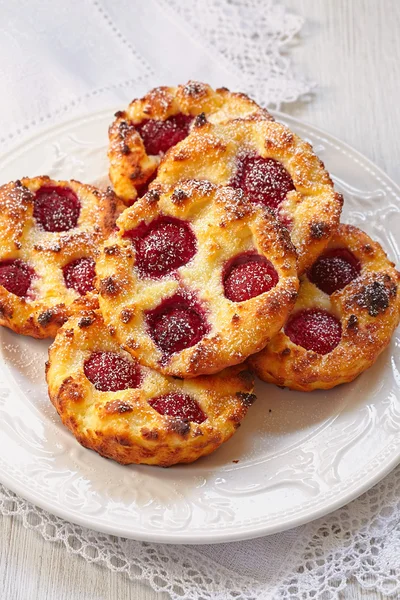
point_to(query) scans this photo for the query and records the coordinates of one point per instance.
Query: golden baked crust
(213, 153)
(121, 424)
(368, 309)
(49, 302)
(130, 165)
(225, 226)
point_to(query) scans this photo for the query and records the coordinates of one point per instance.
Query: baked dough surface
(122, 425)
(368, 309)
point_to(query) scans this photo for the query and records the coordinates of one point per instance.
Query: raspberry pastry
(49, 237)
(131, 413)
(151, 125)
(197, 279)
(272, 166)
(346, 312)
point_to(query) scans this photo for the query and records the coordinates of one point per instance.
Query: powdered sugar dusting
(314, 329)
(247, 276)
(16, 276)
(263, 180)
(160, 135)
(177, 323)
(80, 275)
(178, 405)
(163, 246)
(56, 208)
(109, 371)
(334, 270)
(22, 356)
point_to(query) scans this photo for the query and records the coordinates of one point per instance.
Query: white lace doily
(119, 48)
(361, 540)
(114, 49)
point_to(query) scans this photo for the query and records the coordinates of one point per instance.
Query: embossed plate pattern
(299, 456)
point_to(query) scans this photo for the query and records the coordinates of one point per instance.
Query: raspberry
(56, 208)
(158, 136)
(263, 180)
(16, 276)
(162, 246)
(247, 276)
(79, 275)
(314, 329)
(111, 372)
(176, 324)
(178, 405)
(334, 270)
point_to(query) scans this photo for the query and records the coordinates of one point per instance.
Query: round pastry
(197, 279)
(131, 413)
(151, 125)
(346, 312)
(50, 232)
(272, 166)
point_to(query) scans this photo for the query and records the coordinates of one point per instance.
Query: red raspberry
(178, 405)
(111, 372)
(314, 329)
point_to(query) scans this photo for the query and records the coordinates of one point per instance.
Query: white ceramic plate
(296, 456)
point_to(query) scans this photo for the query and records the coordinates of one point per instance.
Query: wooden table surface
(351, 48)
